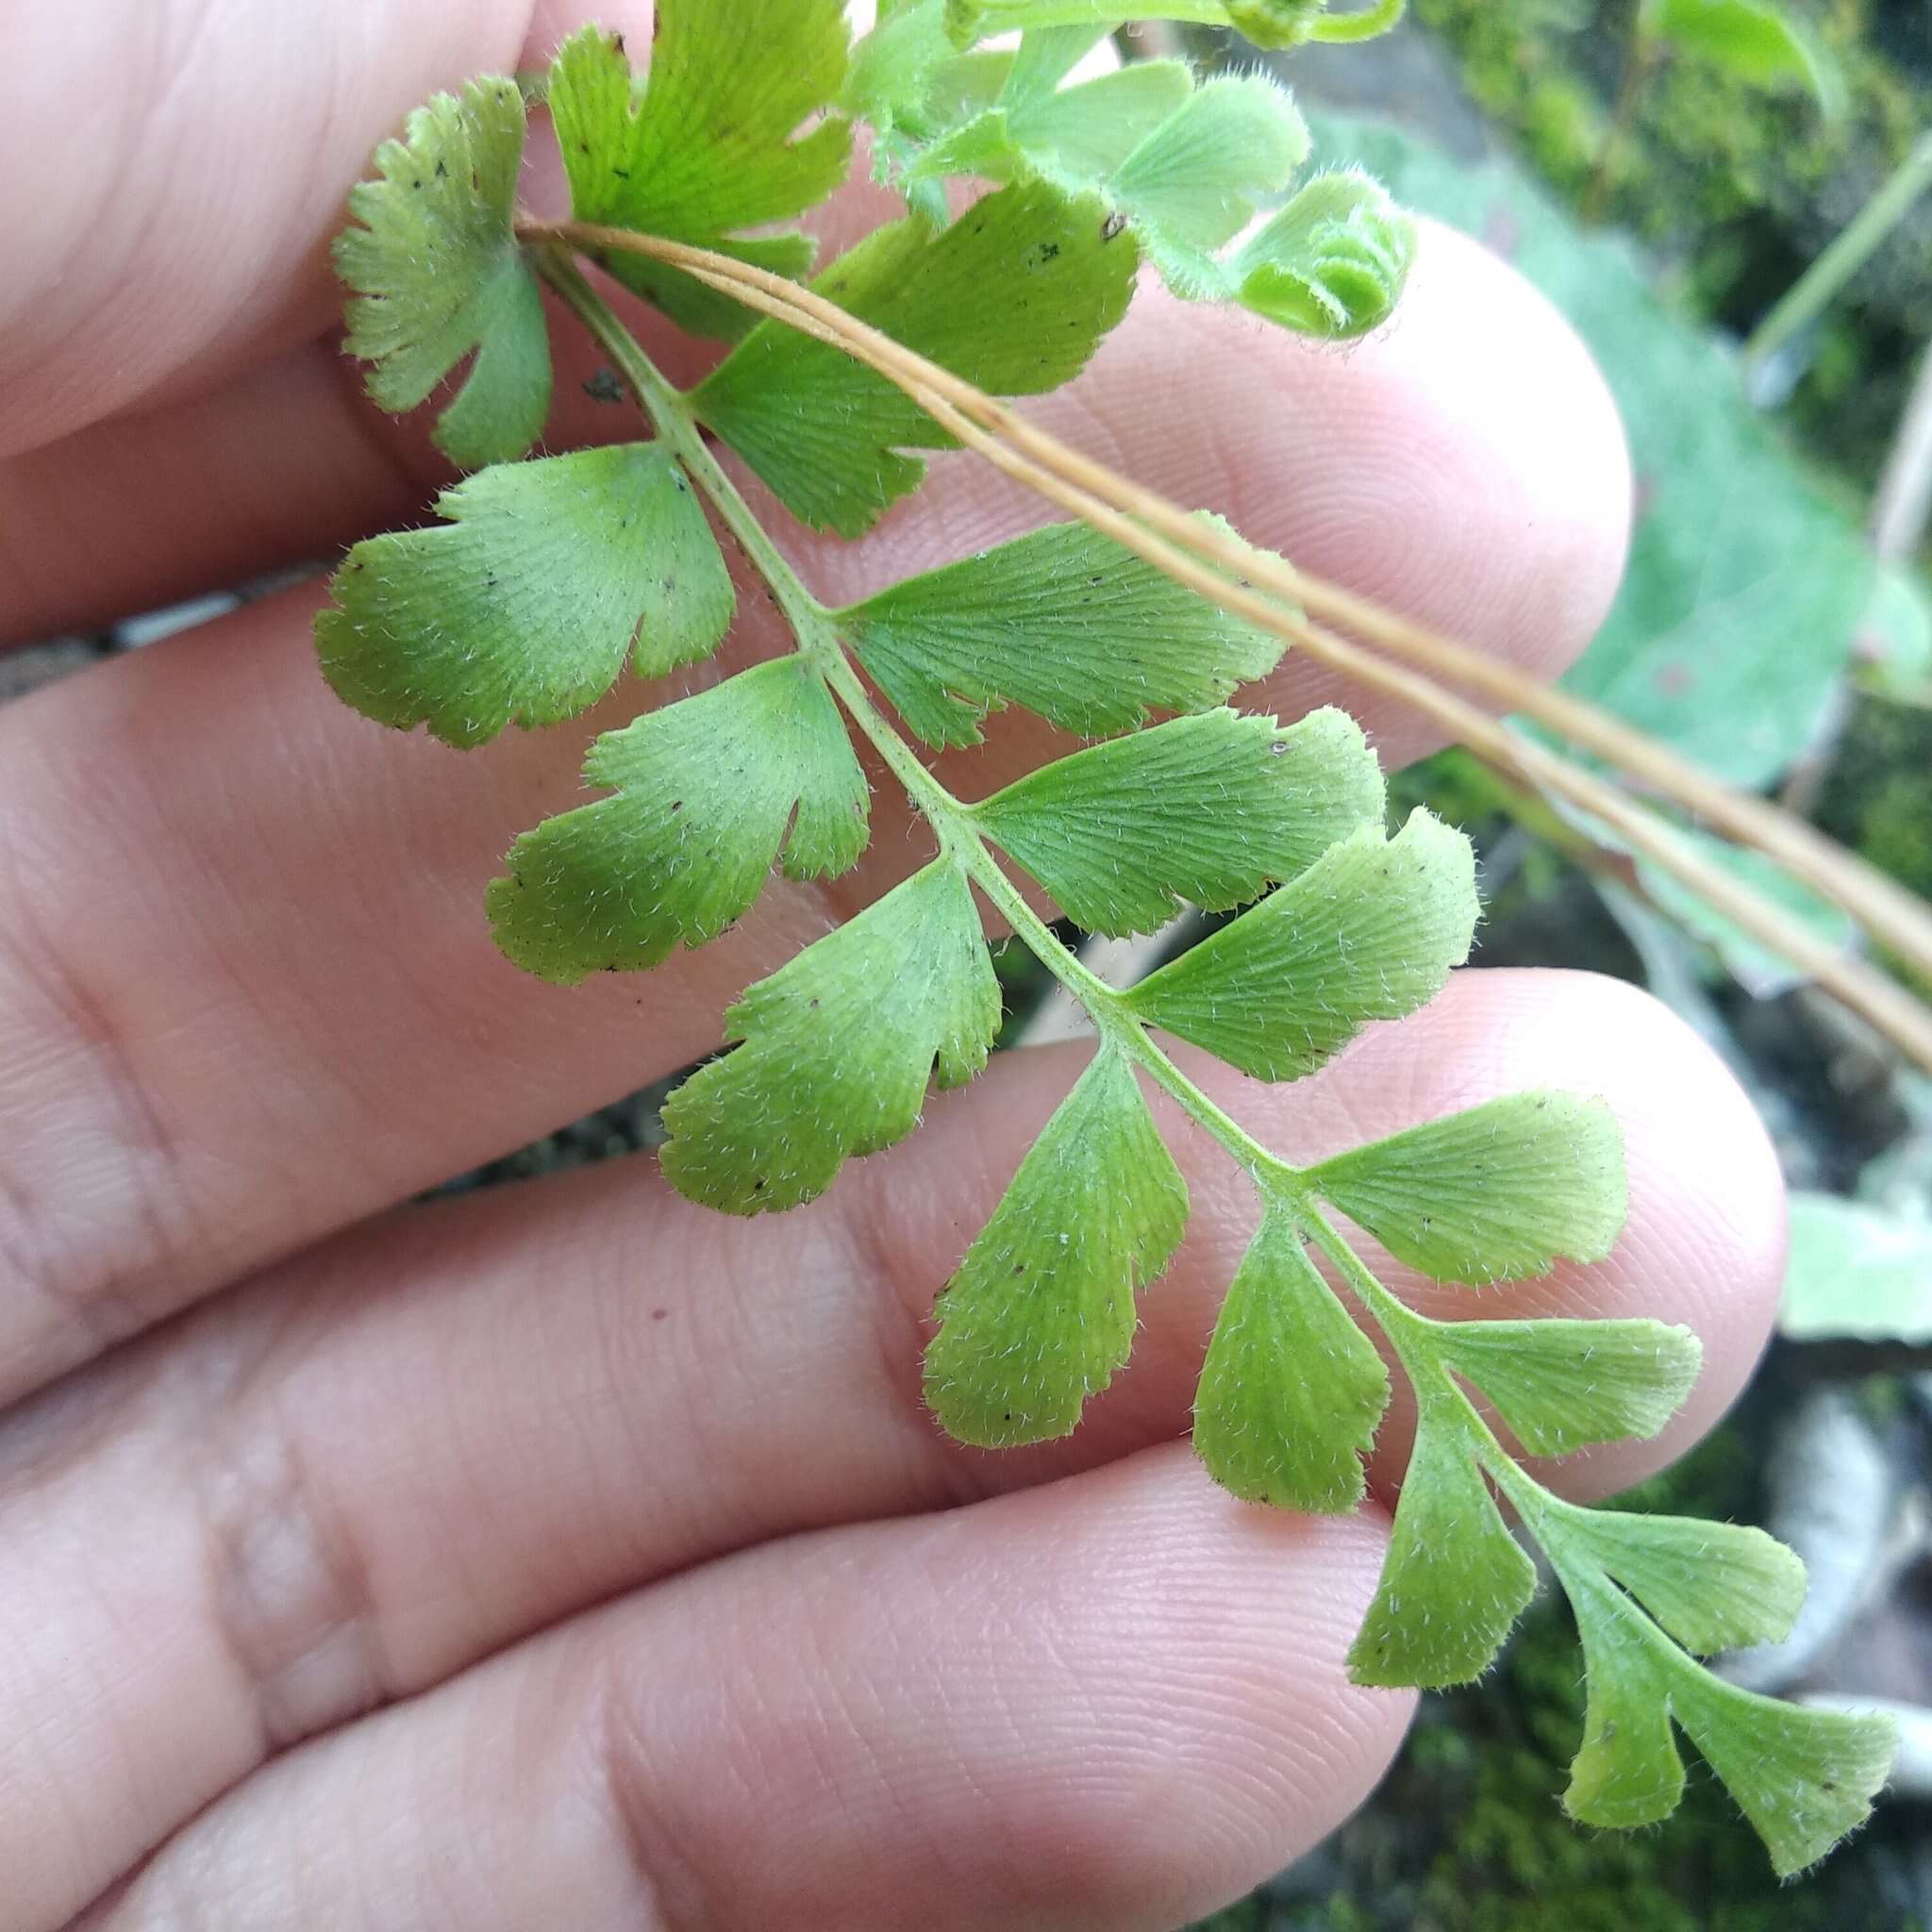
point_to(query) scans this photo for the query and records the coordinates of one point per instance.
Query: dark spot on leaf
(677, 804)
(658, 1314)
(621, 173)
(1112, 225)
(604, 387)
(442, 170)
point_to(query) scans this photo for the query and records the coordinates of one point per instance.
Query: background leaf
(1746, 581)
(1749, 38)
(522, 607)
(1042, 1312)
(1856, 1272)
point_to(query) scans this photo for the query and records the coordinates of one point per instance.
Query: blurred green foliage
(1747, 580)
(1739, 188)
(1875, 797)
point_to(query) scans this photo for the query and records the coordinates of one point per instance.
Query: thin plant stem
(954, 821)
(1233, 575)
(1892, 914)
(1861, 238)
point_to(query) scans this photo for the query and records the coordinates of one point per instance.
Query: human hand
(569, 1555)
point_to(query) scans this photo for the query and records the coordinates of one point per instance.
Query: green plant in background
(1753, 42)
(1735, 622)
(550, 577)
(1739, 185)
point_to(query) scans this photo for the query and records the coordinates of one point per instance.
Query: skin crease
(572, 1556)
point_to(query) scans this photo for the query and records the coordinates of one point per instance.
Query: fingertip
(1466, 466)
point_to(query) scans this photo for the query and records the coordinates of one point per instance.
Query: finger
(1115, 1703)
(280, 946)
(1465, 466)
(450, 1429)
(171, 176)
(284, 464)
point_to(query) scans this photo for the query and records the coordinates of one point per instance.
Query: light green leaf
(1627, 1771)
(1064, 622)
(1804, 1778)
(1856, 1272)
(1186, 165)
(522, 608)
(1014, 296)
(1075, 137)
(1333, 264)
(1562, 1385)
(1194, 181)
(1455, 1580)
(709, 792)
(899, 66)
(1042, 1312)
(1209, 809)
(436, 272)
(1369, 932)
(703, 148)
(839, 1049)
(1755, 41)
(1292, 1390)
(1495, 1194)
(1272, 24)
(1713, 1586)
(1895, 632)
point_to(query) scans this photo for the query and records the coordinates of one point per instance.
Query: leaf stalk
(1236, 577)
